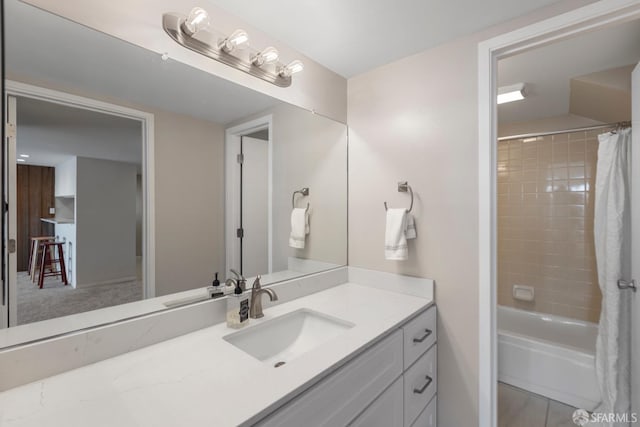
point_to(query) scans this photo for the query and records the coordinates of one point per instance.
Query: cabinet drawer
(420, 385)
(419, 335)
(339, 398)
(386, 410)
(428, 417)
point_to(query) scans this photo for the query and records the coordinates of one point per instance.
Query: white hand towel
(410, 229)
(395, 239)
(299, 228)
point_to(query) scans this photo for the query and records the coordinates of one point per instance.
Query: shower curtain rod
(557, 132)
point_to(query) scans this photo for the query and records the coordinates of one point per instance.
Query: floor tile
(560, 415)
(517, 408)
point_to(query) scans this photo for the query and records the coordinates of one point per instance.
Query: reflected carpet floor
(56, 300)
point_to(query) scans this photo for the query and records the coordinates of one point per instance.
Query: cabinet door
(385, 411)
(339, 398)
(66, 233)
(420, 385)
(35, 198)
(428, 417)
(419, 335)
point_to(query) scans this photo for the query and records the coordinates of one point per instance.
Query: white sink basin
(286, 337)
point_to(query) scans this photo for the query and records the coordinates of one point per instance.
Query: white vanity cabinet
(66, 233)
(391, 384)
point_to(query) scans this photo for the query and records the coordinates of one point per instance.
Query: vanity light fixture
(292, 68)
(511, 93)
(237, 39)
(195, 33)
(26, 156)
(268, 55)
(197, 20)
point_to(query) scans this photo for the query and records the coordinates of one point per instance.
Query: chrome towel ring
(304, 192)
(403, 187)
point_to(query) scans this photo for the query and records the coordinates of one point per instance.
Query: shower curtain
(612, 232)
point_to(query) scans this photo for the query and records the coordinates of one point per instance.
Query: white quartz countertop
(58, 220)
(199, 379)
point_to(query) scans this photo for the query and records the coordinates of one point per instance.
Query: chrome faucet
(239, 279)
(255, 306)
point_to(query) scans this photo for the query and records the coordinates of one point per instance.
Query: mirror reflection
(137, 177)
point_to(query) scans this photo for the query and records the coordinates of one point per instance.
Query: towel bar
(304, 191)
(403, 187)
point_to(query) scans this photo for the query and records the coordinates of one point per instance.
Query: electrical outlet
(52, 211)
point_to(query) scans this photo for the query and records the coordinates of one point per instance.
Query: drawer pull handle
(424, 387)
(427, 332)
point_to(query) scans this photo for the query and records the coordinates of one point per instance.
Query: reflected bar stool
(34, 253)
(49, 260)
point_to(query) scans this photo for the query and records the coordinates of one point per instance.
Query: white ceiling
(548, 70)
(614, 78)
(51, 133)
(44, 47)
(354, 36)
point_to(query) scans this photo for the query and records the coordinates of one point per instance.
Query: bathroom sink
(286, 337)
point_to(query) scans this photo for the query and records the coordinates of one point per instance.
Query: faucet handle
(239, 279)
(256, 283)
(235, 273)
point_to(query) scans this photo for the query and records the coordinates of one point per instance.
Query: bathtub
(549, 355)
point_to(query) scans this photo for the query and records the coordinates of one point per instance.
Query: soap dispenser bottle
(237, 308)
(215, 291)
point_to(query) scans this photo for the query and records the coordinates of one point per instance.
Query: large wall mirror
(132, 179)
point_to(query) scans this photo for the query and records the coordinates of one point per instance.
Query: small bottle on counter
(237, 308)
(215, 290)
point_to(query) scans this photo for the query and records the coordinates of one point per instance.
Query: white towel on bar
(299, 228)
(400, 227)
(410, 228)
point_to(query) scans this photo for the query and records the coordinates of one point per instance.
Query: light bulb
(267, 56)
(197, 20)
(237, 39)
(292, 68)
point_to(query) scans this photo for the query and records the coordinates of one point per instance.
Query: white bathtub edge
(568, 399)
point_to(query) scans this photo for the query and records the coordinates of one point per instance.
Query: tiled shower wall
(545, 223)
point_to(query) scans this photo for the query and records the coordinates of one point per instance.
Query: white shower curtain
(612, 232)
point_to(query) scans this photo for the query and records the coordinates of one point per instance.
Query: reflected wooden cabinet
(35, 187)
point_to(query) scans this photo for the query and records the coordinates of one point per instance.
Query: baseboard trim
(107, 282)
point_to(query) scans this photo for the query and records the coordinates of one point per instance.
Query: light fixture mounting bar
(172, 24)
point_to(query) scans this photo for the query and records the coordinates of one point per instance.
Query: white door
(635, 242)
(8, 316)
(255, 209)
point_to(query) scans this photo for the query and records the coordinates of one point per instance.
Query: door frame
(232, 197)
(588, 18)
(10, 227)
(19, 89)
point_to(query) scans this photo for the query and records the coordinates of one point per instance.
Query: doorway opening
(557, 30)
(78, 179)
(548, 289)
(249, 219)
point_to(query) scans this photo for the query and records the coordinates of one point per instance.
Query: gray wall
(105, 221)
(189, 163)
(309, 151)
(416, 119)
